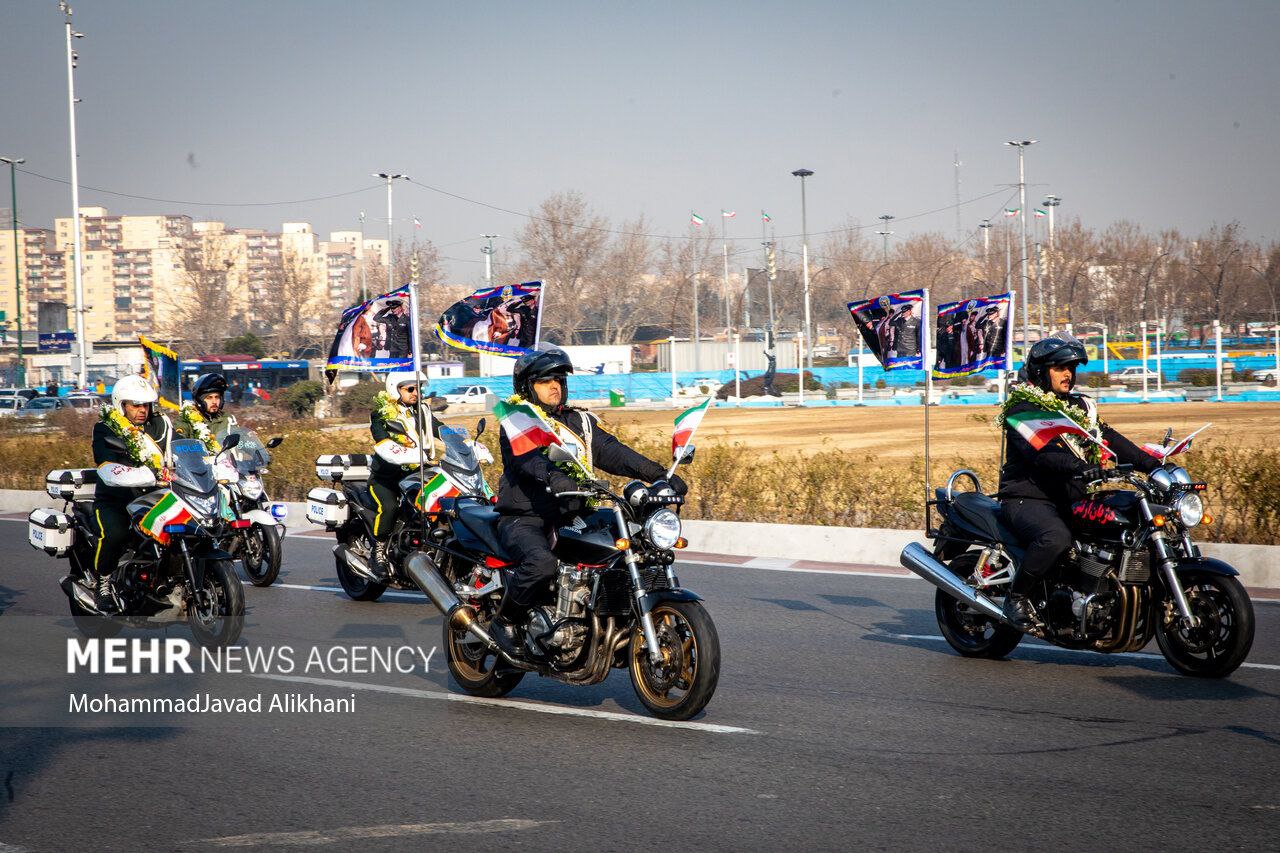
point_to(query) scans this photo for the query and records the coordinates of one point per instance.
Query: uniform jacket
(157, 426)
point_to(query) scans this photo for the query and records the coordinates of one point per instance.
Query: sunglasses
(412, 389)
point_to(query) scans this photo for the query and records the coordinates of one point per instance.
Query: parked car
(41, 406)
(22, 393)
(467, 394)
(1269, 374)
(11, 404)
(83, 401)
(1133, 374)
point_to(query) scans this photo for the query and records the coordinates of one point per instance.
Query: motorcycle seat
(481, 520)
(982, 513)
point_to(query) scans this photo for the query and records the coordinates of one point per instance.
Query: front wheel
(260, 554)
(683, 682)
(1221, 641)
(967, 631)
(216, 611)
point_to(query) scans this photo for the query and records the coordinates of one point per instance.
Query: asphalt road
(841, 722)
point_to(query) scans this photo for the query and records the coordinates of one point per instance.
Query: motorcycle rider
(206, 416)
(397, 404)
(529, 483)
(130, 417)
(1037, 487)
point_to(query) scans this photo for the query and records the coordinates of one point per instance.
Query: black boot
(378, 563)
(104, 598)
(508, 637)
(1019, 611)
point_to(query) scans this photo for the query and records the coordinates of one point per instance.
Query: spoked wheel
(216, 611)
(683, 682)
(1222, 639)
(356, 587)
(475, 667)
(969, 632)
(260, 554)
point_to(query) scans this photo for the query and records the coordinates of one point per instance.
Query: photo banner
(973, 335)
(504, 320)
(892, 326)
(162, 367)
(375, 336)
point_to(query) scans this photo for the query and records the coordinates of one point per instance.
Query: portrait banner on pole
(893, 327)
(504, 320)
(973, 335)
(376, 335)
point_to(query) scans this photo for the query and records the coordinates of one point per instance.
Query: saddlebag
(71, 484)
(50, 531)
(345, 467)
(327, 507)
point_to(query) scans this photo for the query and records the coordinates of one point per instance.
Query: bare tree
(203, 312)
(623, 295)
(293, 303)
(564, 242)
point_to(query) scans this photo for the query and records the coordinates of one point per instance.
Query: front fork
(646, 616)
(1168, 568)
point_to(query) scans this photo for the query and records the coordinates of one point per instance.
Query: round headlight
(251, 488)
(1190, 509)
(662, 529)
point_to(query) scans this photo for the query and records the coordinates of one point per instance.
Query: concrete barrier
(1259, 565)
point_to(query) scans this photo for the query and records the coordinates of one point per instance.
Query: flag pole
(420, 417)
(927, 363)
(1008, 371)
(542, 305)
(685, 447)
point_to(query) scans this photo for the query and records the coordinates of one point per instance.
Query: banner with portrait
(161, 366)
(504, 320)
(376, 335)
(973, 335)
(893, 327)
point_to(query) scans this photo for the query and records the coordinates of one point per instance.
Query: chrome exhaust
(920, 561)
(354, 562)
(83, 597)
(420, 568)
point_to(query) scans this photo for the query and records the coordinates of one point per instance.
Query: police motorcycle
(1133, 572)
(258, 545)
(618, 601)
(173, 570)
(347, 509)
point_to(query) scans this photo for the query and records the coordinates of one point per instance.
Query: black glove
(559, 482)
(678, 485)
(1090, 474)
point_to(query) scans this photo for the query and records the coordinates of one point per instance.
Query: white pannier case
(50, 531)
(71, 484)
(327, 507)
(348, 467)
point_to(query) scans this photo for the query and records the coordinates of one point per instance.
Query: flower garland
(576, 470)
(191, 416)
(142, 449)
(389, 410)
(1024, 392)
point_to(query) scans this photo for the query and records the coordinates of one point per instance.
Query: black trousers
(111, 520)
(386, 497)
(1041, 530)
(528, 540)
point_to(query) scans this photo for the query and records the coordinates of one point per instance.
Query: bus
(246, 375)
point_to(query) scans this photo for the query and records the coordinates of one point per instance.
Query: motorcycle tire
(1222, 641)
(475, 668)
(683, 685)
(970, 633)
(92, 626)
(356, 587)
(260, 554)
(219, 619)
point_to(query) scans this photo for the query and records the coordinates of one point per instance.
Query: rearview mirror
(557, 453)
(480, 427)
(396, 428)
(687, 457)
(231, 441)
(437, 404)
(273, 443)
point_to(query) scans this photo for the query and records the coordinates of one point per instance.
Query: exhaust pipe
(353, 561)
(920, 561)
(80, 595)
(423, 571)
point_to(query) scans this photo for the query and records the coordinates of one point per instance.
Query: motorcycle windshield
(251, 453)
(191, 468)
(460, 460)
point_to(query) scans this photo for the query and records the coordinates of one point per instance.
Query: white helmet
(132, 389)
(405, 377)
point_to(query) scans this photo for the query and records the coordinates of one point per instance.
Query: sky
(1163, 113)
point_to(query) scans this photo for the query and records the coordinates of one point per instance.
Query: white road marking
(537, 707)
(10, 848)
(391, 593)
(348, 834)
(1036, 647)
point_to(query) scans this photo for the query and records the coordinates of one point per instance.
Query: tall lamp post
(364, 287)
(389, 177)
(885, 233)
(82, 375)
(20, 377)
(487, 251)
(804, 231)
(1051, 202)
(1022, 215)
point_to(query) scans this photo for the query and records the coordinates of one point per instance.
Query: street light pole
(364, 288)
(1022, 215)
(82, 375)
(804, 230)
(389, 177)
(20, 377)
(487, 251)
(985, 225)
(885, 233)
(1051, 202)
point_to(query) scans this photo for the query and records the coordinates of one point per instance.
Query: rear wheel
(683, 682)
(356, 587)
(1221, 641)
(477, 669)
(94, 627)
(260, 554)
(216, 611)
(969, 632)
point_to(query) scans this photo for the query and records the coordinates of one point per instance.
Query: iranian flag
(437, 489)
(1012, 211)
(686, 422)
(728, 214)
(524, 429)
(1041, 214)
(1041, 427)
(169, 510)
(765, 217)
(695, 218)
(1159, 451)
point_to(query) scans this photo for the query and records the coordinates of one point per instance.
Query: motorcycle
(258, 546)
(1133, 572)
(173, 569)
(617, 600)
(349, 508)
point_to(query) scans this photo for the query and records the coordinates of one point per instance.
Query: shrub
(299, 399)
(783, 383)
(1096, 380)
(880, 383)
(246, 344)
(1199, 377)
(358, 399)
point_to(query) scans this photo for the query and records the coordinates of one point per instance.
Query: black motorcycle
(173, 570)
(616, 601)
(1133, 572)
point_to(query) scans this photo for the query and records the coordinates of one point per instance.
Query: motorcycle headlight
(662, 529)
(1190, 509)
(251, 488)
(205, 507)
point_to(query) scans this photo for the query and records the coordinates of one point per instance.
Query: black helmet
(208, 383)
(551, 362)
(1062, 350)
